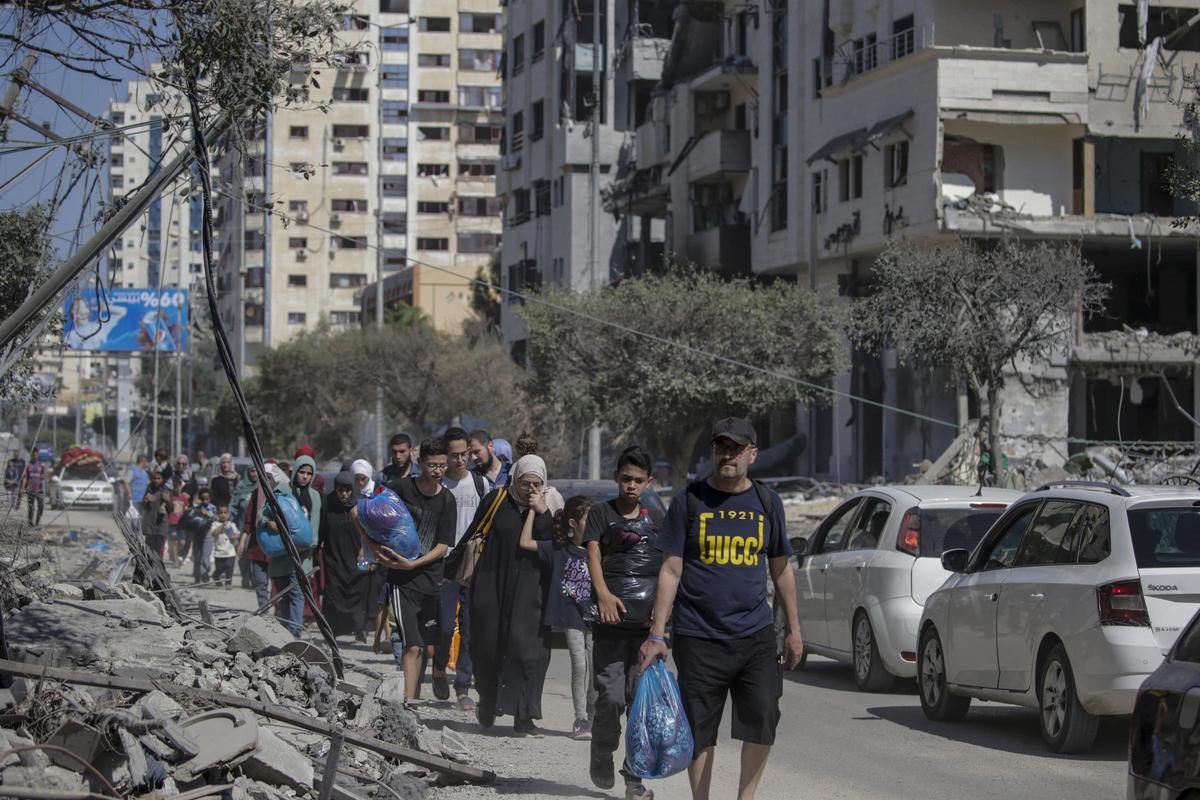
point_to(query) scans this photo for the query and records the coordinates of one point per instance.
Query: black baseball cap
(736, 429)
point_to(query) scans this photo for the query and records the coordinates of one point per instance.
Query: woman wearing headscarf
(239, 511)
(289, 608)
(224, 483)
(349, 603)
(304, 472)
(510, 647)
(364, 481)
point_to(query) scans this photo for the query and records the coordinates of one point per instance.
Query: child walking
(224, 535)
(570, 588)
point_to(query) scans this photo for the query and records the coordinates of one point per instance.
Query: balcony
(719, 154)
(729, 71)
(644, 56)
(725, 248)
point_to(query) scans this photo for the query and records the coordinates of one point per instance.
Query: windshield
(1165, 537)
(945, 529)
(83, 472)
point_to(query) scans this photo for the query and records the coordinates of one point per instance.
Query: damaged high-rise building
(798, 138)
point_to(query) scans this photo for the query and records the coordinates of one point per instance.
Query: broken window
(982, 163)
(1178, 26)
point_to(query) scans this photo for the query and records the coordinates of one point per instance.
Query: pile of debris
(109, 693)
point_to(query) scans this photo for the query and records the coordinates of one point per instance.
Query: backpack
(480, 486)
(576, 580)
(764, 499)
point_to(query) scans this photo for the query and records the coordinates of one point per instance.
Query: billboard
(126, 319)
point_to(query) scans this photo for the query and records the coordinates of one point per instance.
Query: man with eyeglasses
(720, 540)
(416, 584)
(468, 488)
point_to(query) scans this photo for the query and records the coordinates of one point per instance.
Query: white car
(1068, 603)
(81, 485)
(862, 579)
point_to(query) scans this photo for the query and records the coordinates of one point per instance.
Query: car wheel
(870, 675)
(937, 702)
(1066, 726)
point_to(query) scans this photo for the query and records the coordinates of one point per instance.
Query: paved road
(834, 742)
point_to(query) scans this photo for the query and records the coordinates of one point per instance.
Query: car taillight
(909, 540)
(1121, 603)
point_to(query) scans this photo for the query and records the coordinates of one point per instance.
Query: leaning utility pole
(380, 454)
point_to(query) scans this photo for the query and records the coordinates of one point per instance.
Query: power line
(99, 133)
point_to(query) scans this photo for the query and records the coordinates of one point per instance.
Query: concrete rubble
(103, 690)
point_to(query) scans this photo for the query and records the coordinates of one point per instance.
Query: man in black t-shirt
(415, 585)
(720, 540)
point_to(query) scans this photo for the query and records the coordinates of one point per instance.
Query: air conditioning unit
(338, 144)
(301, 216)
(334, 219)
(302, 255)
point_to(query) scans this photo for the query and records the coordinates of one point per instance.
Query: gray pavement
(834, 742)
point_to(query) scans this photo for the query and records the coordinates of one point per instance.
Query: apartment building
(577, 82)
(798, 139)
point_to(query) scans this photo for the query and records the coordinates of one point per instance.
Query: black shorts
(418, 616)
(746, 669)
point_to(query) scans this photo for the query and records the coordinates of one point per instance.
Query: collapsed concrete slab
(131, 633)
(259, 636)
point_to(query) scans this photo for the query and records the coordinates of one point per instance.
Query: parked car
(602, 491)
(863, 577)
(1067, 604)
(1164, 735)
(80, 485)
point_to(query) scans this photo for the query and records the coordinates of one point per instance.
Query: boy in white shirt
(224, 535)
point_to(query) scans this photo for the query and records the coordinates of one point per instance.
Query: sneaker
(637, 791)
(441, 687)
(526, 729)
(602, 771)
(465, 703)
(581, 730)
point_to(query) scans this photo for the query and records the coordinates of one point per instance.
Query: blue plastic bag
(386, 520)
(658, 741)
(271, 541)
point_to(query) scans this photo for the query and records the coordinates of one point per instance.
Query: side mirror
(799, 546)
(955, 560)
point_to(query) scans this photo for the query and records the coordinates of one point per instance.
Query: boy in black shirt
(624, 562)
(416, 585)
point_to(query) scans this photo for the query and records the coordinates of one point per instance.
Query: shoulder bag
(473, 546)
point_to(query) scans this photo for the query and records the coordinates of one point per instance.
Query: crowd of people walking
(506, 562)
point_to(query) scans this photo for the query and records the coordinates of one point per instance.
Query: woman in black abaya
(349, 602)
(510, 648)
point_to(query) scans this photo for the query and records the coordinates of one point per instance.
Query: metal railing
(858, 59)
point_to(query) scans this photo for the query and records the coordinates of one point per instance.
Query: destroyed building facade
(797, 139)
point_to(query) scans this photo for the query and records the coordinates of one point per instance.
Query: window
(896, 165)
(1162, 21)
(1001, 552)
(1165, 538)
(850, 178)
(539, 121)
(520, 206)
(856, 177)
(433, 96)
(477, 169)
(298, 208)
(517, 141)
(393, 76)
(818, 78)
(945, 529)
(865, 54)
(541, 198)
(393, 185)
(433, 133)
(473, 133)
(349, 168)
(394, 112)
(433, 170)
(523, 276)
(296, 318)
(832, 532)
(434, 24)
(360, 58)
(478, 242)
(394, 222)
(433, 60)
(480, 97)
(349, 205)
(345, 317)
(395, 149)
(117, 118)
(903, 39)
(254, 278)
(1095, 537)
(350, 242)
(472, 60)
(117, 181)
(843, 180)
(432, 243)
(351, 131)
(479, 206)
(393, 38)
(478, 23)
(253, 240)
(818, 192)
(518, 54)
(393, 6)
(1051, 538)
(870, 524)
(297, 242)
(297, 281)
(347, 280)
(433, 207)
(395, 259)
(350, 94)
(539, 39)
(355, 22)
